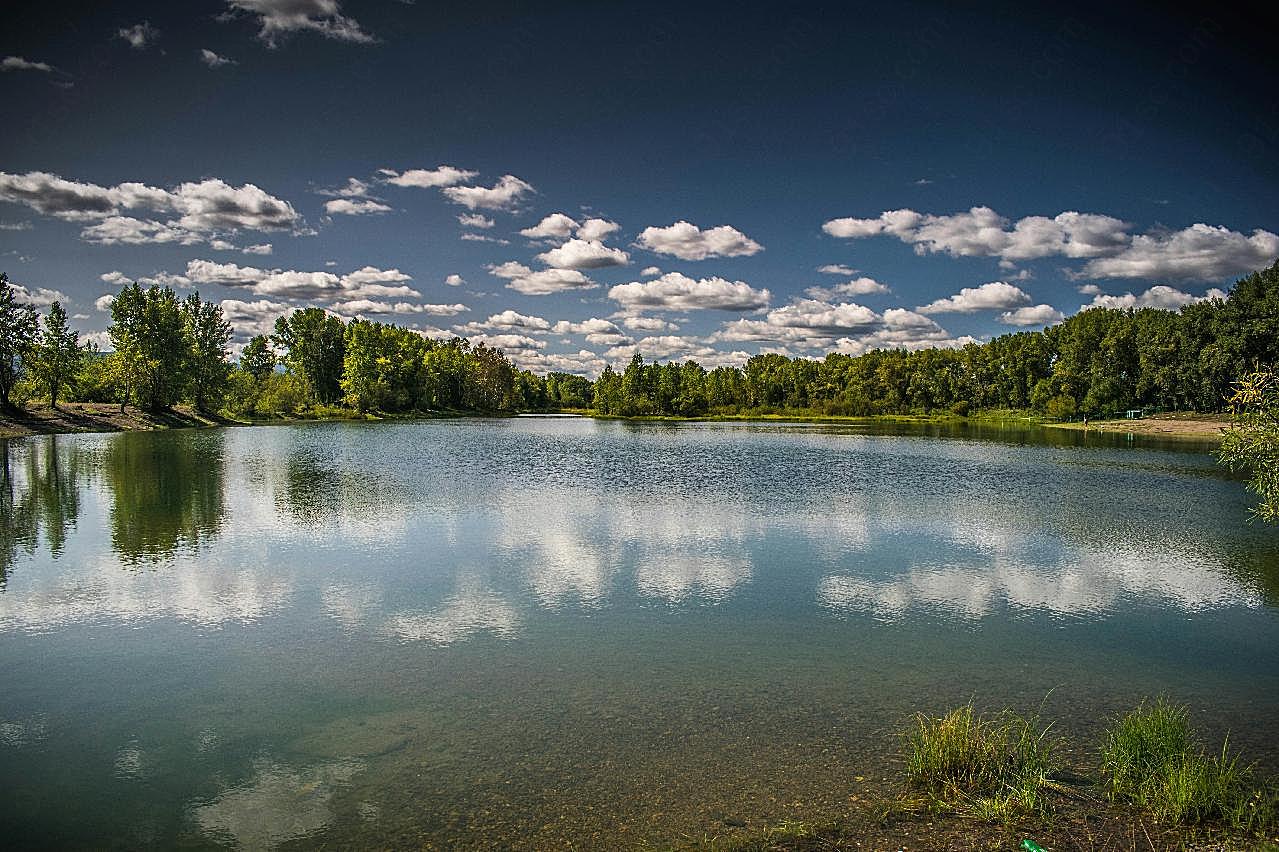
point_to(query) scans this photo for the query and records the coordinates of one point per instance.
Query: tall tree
(58, 355)
(209, 334)
(258, 359)
(314, 349)
(148, 331)
(17, 335)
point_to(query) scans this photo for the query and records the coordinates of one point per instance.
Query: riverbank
(1174, 425)
(40, 419)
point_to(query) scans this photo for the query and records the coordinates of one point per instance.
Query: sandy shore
(1171, 426)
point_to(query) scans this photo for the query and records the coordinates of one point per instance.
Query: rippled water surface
(530, 631)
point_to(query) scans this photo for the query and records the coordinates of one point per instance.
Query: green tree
(17, 335)
(1252, 442)
(314, 344)
(258, 359)
(209, 335)
(58, 355)
(149, 332)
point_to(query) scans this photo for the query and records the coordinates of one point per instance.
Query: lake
(531, 631)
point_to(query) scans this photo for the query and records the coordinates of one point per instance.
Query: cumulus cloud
(17, 63)
(856, 287)
(202, 209)
(808, 324)
(643, 323)
(103, 303)
(366, 283)
(454, 280)
(584, 254)
(552, 226)
(981, 232)
(1198, 253)
(996, 295)
(40, 297)
(472, 237)
(475, 220)
(583, 362)
(541, 283)
(650, 271)
(507, 341)
(368, 307)
(598, 332)
(836, 269)
(440, 176)
(689, 242)
(506, 321)
(249, 319)
(1032, 315)
(675, 347)
(677, 292)
(354, 207)
(139, 36)
(353, 188)
(597, 229)
(259, 248)
(503, 195)
(1158, 296)
(278, 18)
(159, 279)
(213, 60)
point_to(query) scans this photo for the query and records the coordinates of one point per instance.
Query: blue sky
(958, 173)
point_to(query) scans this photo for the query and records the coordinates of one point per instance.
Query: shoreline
(79, 417)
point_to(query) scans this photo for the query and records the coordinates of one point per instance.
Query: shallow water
(526, 632)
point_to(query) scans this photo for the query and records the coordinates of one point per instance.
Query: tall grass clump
(1149, 758)
(991, 769)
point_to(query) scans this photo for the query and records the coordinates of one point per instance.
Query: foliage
(1149, 759)
(258, 358)
(1098, 362)
(209, 335)
(314, 346)
(991, 769)
(149, 332)
(58, 355)
(1252, 442)
(17, 336)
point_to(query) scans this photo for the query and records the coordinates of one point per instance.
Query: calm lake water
(527, 632)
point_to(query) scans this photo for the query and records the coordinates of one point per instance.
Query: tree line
(1100, 361)
(167, 350)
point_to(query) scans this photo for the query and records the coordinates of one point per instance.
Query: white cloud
(552, 226)
(353, 188)
(139, 36)
(475, 220)
(689, 242)
(357, 207)
(103, 303)
(1158, 296)
(454, 280)
(508, 320)
(40, 297)
(598, 332)
(674, 347)
(259, 249)
(363, 307)
(996, 295)
(507, 341)
(583, 254)
(642, 323)
(366, 283)
(281, 17)
(583, 362)
(126, 230)
(597, 229)
(1028, 315)
(1198, 253)
(677, 292)
(836, 269)
(250, 319)
(213, 60)
(503, 195)
(17, 63)
(214, 205)
(855, 287)
(441, 176)
(541, 283)
(850, 328)
(1088, 289)
(472, 237)
(650, 271)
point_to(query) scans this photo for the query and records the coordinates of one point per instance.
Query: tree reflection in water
(39, 494)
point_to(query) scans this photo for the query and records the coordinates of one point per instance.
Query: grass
(1149, 758)
(992, 769)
